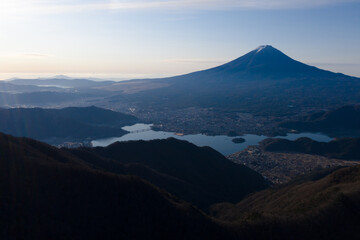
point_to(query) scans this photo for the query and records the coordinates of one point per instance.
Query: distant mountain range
(61, 82)
(68, 123)
(56, 84)
(8, 87)
(46, 92)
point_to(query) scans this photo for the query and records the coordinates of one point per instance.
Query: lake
(221, 143)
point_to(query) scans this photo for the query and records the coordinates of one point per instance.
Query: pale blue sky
(129, 39)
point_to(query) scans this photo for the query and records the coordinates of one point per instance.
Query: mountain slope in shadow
(47, 193)
(199, 175)
(264, 81)
(324, 205)
(50, 193)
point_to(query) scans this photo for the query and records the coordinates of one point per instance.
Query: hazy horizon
(145, 39)
(337, 68)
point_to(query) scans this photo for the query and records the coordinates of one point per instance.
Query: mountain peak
(265, 61)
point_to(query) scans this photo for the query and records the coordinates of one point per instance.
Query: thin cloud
(26, 55)
(63, 6)
(34, 55)
(195, 60)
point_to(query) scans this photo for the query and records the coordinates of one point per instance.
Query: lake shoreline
(222, 143)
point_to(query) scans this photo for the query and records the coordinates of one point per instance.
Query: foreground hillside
(201, 176)
(314, 207)
(50, 193)
(47, 193)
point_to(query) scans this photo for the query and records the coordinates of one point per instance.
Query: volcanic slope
(264, 81)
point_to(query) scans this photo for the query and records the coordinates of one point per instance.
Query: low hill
(96, 116)
(320, 206)
(199, 175)
(343, 148)
(67, 123)
(47, 193)
(344, 120)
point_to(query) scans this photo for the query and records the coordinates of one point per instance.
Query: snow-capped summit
(266, 60)
(260, 48)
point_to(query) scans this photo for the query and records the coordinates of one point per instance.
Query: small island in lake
(238, 140)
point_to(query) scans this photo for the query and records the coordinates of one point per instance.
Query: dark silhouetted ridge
(343, 148)
(316, 208)
(50, 193)
(201, 176)
(47, 193)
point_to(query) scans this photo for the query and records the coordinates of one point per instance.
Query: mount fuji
(264, 78)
